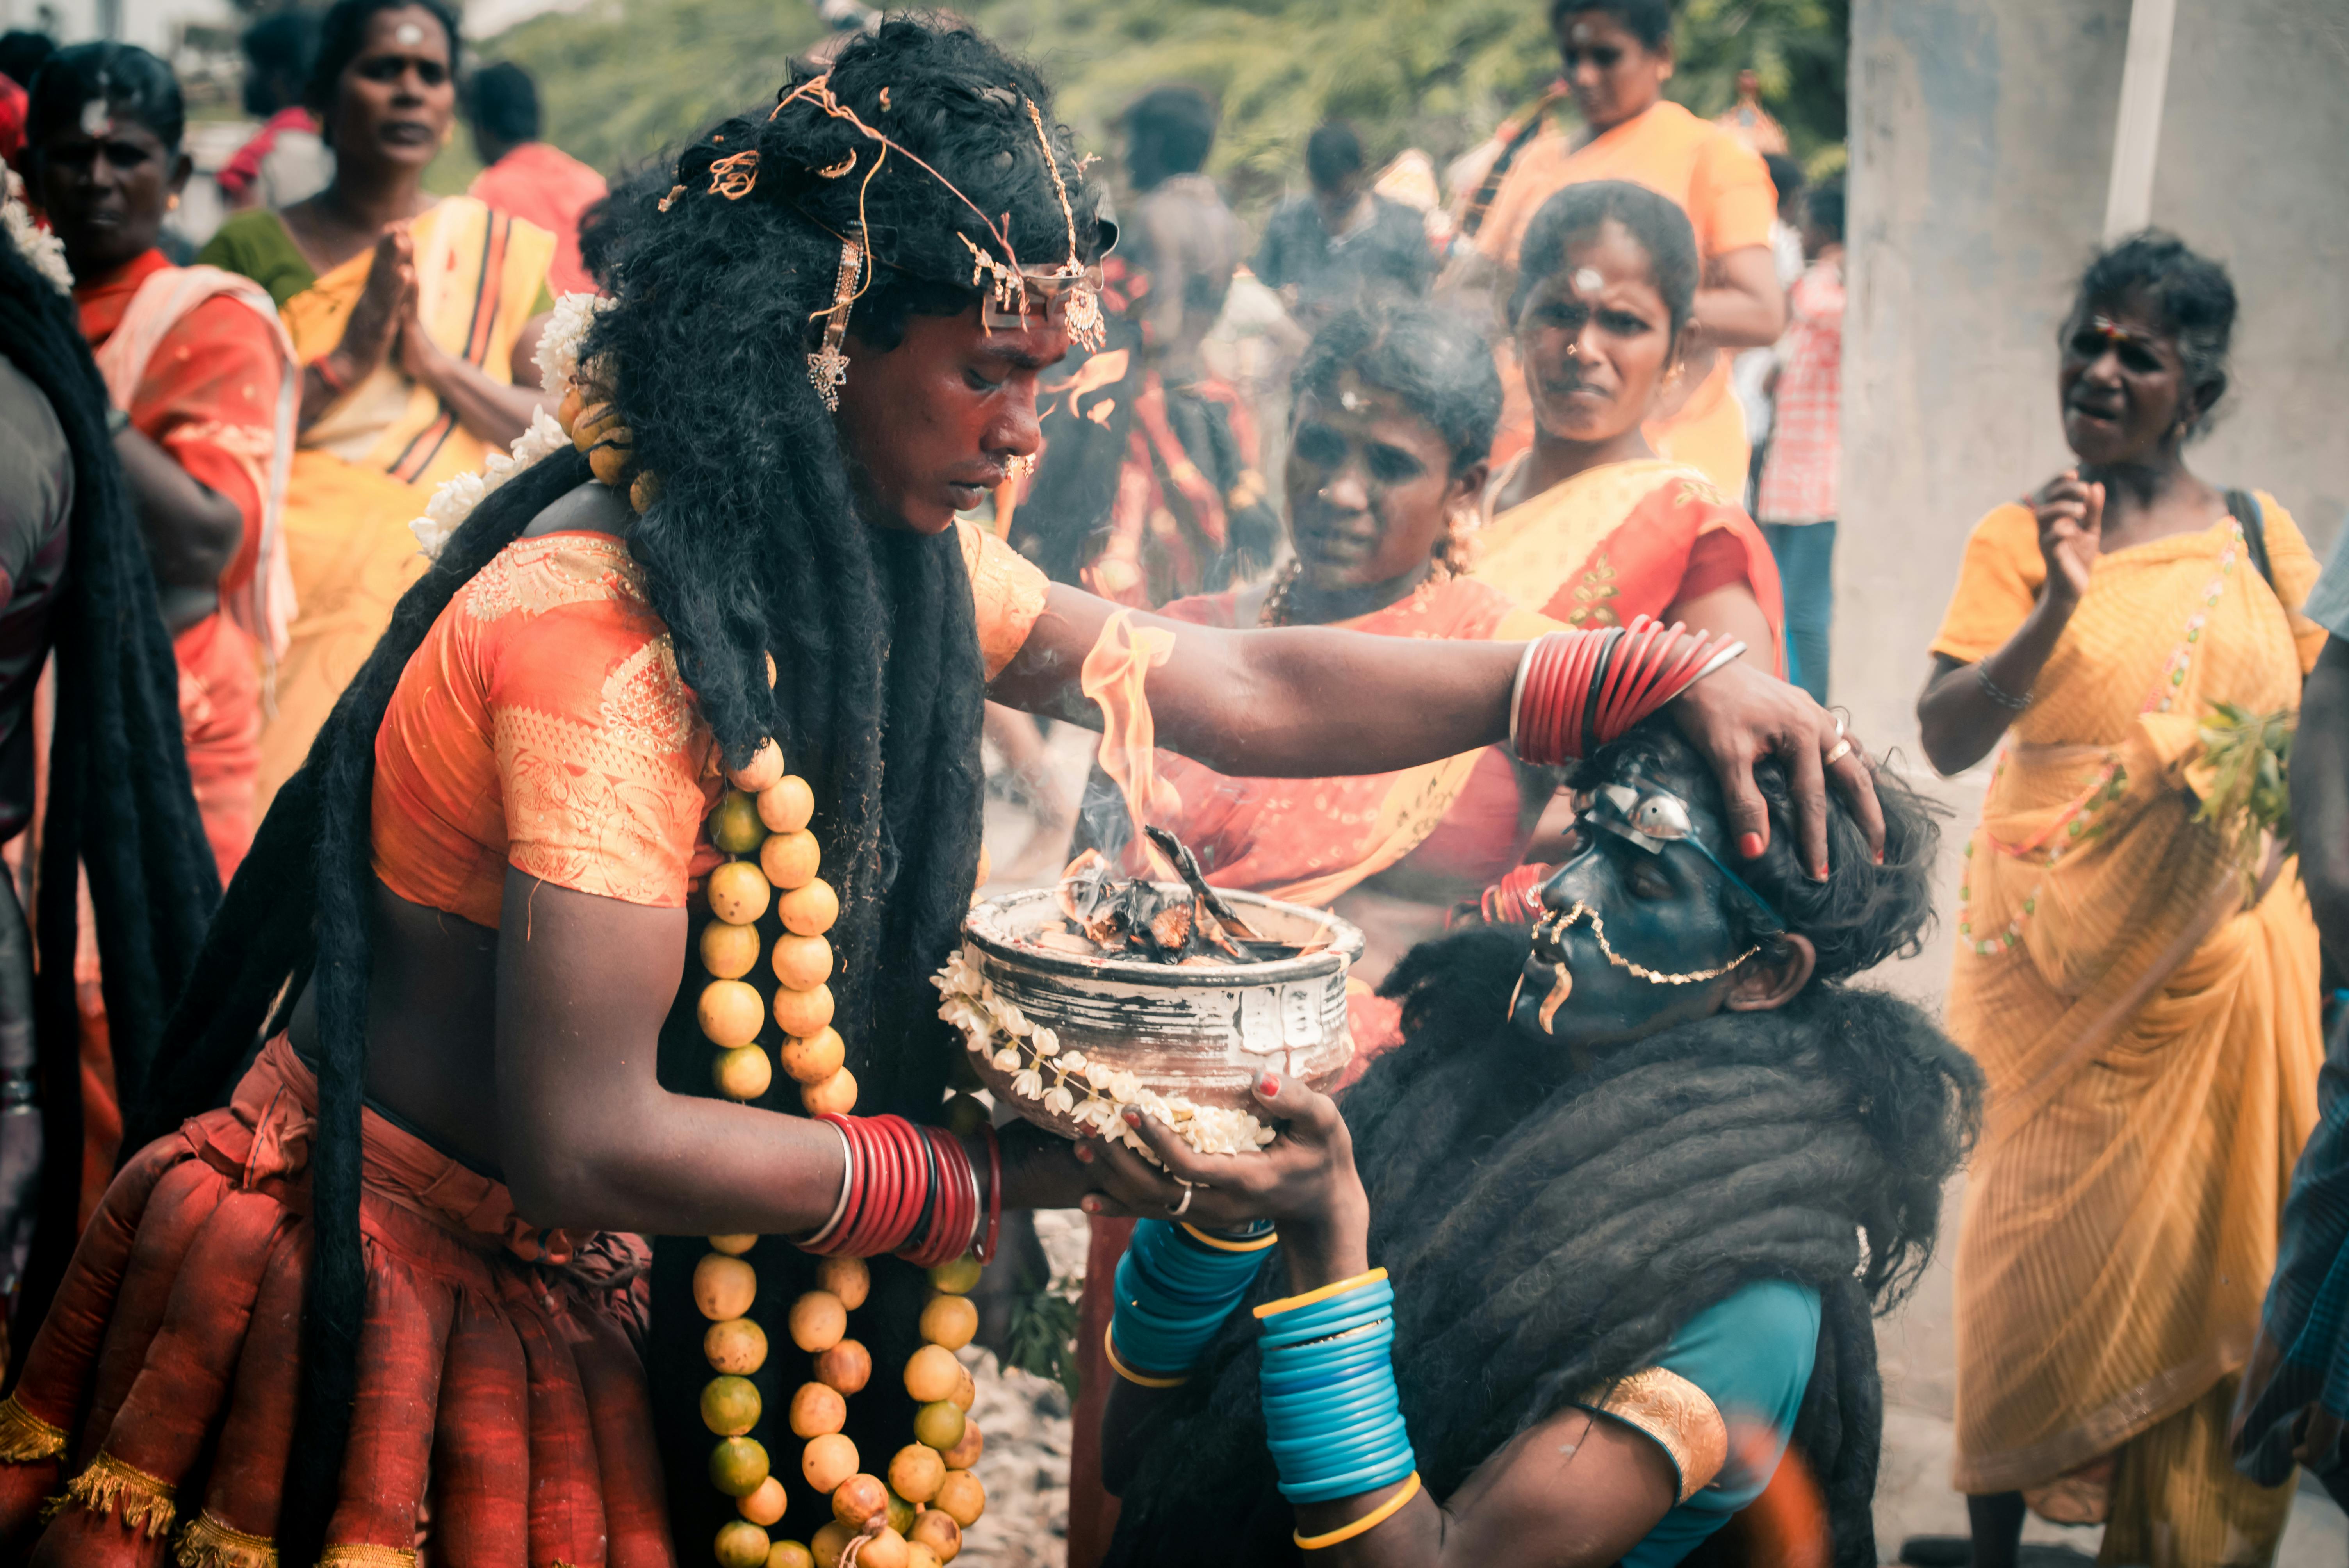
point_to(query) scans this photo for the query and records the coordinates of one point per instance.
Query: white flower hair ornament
(584, 419)
(37, 245)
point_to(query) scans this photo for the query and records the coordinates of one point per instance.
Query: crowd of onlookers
(1591, 373)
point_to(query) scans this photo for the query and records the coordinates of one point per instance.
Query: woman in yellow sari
(415, 321)
(2140, 991)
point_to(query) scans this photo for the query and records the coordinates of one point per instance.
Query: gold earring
(171, 203)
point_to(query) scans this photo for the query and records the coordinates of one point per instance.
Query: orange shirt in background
(544, 185)
(1723, 187)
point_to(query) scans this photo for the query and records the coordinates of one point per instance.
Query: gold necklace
(1554, 925)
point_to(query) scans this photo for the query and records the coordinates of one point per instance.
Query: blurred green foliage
(623, 78)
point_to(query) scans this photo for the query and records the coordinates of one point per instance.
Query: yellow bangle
(1339, 1287)
(1108, 1345)
(1368, 1522)
(1221, 1245)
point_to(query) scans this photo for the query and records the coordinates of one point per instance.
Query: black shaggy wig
(119, 799)
(753, 549)
(1548, 1230)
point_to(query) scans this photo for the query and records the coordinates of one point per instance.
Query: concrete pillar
(1982, 147)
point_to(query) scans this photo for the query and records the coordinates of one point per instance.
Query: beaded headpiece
(1068, 294)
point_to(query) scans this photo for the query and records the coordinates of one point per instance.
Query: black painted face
(1635, 937)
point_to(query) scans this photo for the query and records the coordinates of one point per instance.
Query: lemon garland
(914, 1519)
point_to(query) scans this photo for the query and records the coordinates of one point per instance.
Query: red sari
(196, 357)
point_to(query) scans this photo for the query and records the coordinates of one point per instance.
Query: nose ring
(1020, 465)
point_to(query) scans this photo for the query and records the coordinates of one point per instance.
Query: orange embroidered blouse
(542, 725)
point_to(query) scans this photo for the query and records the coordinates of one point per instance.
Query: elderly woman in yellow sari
(2140, 984)
(416, 321)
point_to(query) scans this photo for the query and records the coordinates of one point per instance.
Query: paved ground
(1026, 1471)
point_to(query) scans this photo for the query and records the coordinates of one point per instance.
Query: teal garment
(1751, 1353)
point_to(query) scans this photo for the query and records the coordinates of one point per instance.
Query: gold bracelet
(1368, 1522)
(1222, 1244)
(1108, 1345)
(1336, 1287)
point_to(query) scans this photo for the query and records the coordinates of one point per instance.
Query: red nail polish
(1820, 874)
(1269, 1087)
(1879, 856)
(1133, 1118)
(1089, 1204)
(1750, 846)
(1084, 1155)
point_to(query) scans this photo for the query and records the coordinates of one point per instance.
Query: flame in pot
(1112, 676)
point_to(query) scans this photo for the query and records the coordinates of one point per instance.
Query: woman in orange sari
(1617, 57)
(2140, 984)
(1589, 526)
(196, 359)
(415, 321)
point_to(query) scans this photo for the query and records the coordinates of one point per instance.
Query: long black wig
(753, 549)
(118, 801)
(1549, 1230)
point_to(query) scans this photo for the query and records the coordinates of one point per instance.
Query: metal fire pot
(1200, 1031)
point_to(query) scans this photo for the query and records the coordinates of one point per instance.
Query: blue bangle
(1332, 1425)
(1289, 1338)
(1174, 1295)
(1346, 1304)
(1281, 1408)
(1370, 1478)
(1352, 1445)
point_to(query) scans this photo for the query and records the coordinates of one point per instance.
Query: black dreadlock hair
(119, 803)
(754, 549)
(1547, 1232)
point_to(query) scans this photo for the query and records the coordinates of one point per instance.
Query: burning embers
(1105, 915)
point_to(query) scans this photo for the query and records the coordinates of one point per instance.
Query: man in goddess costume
(1635, 1187)
(510, 901)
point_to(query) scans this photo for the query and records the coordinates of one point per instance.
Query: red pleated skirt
(502, 1417)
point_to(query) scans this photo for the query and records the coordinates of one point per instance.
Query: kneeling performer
(1635, 1191)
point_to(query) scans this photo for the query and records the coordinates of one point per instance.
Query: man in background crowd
(526, 177)
(287, 162)
(1796, 504)
(1344, 244)
(1750, 372)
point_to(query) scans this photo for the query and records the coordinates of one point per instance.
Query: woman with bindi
(416, 319)
(609, 902)
(195, 359)
(1589, 526)
(1588, 1264)
(2136, 966)
(1617, 56)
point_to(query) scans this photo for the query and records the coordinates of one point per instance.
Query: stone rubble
(1025, 1467)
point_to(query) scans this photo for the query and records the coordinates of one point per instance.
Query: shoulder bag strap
(2246, 510)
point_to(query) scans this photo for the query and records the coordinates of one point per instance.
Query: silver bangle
(1997, 693)
(847, 1170)
(1517, 688)
(1728, 656)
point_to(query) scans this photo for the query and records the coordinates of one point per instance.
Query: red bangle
(1516, 898)
(1634, 669)
(994, 1193)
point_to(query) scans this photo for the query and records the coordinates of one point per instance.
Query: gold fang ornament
(1554, 925)
(1559, 990)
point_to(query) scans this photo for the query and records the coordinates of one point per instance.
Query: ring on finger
(1178, 1209)
(1842, 749)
